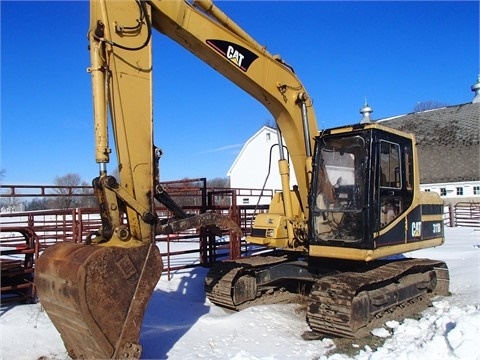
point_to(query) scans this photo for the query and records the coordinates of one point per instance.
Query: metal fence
(24, 235)
(466, 214)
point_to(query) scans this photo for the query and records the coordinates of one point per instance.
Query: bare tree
(219, 182)
(87, 199)
(11, 203)
(37, 204)
(67, 191)
(428, 105)
(270, 123)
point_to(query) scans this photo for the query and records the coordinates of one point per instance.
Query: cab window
(390, 182)
(390, 165)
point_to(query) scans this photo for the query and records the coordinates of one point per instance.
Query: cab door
(394, 187)
(391, 184)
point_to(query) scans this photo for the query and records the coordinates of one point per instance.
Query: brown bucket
(96, 296)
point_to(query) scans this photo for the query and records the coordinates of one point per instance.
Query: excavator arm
(213, 37)
(209, 34)
(96, 293)
(120, 41)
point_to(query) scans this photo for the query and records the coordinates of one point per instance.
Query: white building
(455, 191)
(256, 166)
(11, 208)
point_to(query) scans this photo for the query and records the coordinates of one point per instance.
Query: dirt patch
(352, 347)
(346, 346)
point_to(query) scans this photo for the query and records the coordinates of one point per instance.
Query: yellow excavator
(337, 234)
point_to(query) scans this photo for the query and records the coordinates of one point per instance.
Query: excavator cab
(363, 194)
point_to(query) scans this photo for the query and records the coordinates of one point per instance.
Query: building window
(459, 190)
(268, 135)
(246, 201)
(476, 190)
(443, 192)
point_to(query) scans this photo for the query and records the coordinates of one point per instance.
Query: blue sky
(394, 53)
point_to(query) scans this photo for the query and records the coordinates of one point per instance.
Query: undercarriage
(341, 303)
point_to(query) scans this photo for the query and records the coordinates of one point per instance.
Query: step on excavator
(336, 236)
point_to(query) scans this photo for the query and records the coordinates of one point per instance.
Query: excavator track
(346, 304)
(351, 304)
(231, 284)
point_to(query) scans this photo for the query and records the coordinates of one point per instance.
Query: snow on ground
(180, 323)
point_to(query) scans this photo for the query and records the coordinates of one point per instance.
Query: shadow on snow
(170, 315)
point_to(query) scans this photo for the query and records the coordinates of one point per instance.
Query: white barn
(256, 166)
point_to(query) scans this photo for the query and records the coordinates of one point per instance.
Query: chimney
(476, 89)
(366, 111)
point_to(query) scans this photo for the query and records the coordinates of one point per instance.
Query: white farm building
(256, 166)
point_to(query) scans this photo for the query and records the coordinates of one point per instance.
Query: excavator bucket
(96, 296)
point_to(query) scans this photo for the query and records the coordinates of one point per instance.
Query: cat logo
(237, 54)
(234, 56)
(416, 228)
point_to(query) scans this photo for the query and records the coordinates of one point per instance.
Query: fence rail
(43, 228)
(19, 249)
(466, 214)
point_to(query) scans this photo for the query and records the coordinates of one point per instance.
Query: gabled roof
(252, 138)
(448, 141)
(452, 124)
